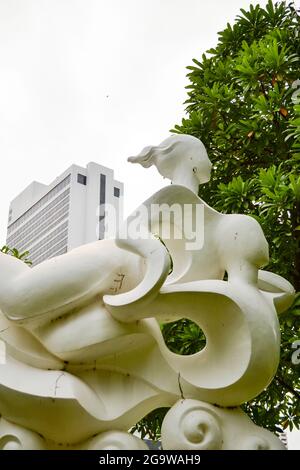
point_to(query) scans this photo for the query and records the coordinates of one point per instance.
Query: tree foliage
(243, 103)
(16, 254)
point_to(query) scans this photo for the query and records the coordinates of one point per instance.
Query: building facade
(51, 220)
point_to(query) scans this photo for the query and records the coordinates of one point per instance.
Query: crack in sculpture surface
(83, 362)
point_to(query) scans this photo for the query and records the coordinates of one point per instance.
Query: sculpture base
(196, 425)
(188, 425)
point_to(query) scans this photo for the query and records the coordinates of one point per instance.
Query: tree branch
(287, 386)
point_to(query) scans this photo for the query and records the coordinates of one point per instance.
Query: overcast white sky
(95, 80)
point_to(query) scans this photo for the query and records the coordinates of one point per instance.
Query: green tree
(16, 254)
(243, 103)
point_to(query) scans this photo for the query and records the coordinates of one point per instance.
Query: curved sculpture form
(84, 351)
(195, 425)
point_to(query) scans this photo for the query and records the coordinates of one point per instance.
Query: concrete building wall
(50, 220)
(33, 192)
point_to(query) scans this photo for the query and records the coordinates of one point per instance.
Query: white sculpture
(85, 357)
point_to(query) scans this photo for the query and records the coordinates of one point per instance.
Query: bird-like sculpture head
(181, 158)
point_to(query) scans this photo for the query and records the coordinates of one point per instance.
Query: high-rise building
(51, 220)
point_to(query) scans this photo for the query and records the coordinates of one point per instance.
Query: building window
(102, 189)
(39, 204)
(55, 209)
(116, 192)
(81, 179)
(102, 206)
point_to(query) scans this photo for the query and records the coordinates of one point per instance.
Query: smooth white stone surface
(84, 351)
